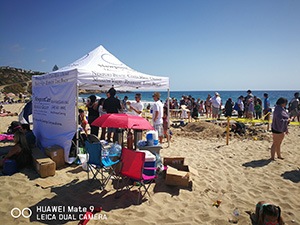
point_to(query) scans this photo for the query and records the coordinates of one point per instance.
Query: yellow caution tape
(246, 120)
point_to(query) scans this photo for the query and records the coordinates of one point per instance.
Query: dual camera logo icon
(16, 212)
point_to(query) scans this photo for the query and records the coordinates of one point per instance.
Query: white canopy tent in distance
(55, 95)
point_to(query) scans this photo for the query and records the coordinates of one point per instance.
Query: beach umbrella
(121, 120)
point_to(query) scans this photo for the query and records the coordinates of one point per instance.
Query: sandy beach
(238, 174)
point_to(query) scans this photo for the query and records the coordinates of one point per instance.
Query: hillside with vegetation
(16, 80)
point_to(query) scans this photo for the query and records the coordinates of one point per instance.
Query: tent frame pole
(77, 114)
(168, 117)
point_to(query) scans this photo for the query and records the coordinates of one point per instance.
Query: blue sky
(199, 44)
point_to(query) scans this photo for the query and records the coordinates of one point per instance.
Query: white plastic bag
(83, 159)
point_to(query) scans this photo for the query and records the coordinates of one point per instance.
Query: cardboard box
(43, 164)
(177, 173)
(45, 167)
(56, 153)
(177, 177)
(176, 162)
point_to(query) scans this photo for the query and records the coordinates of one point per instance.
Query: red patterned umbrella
(121, 120)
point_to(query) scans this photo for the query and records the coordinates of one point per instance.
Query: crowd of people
(249, 106)
(111, 104)
(9, 98)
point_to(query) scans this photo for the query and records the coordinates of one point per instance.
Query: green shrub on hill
(16, 80)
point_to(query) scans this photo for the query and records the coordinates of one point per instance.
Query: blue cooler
(10, 167)
(150, 161)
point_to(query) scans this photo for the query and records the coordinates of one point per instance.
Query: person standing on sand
(267, 107)
(93, 113)
(247, 112)
(216, 103)
(102, 112)
(294, 107)
(157, 115)
(111, 105)
(240, 103)
(137, 107)
(279, 126)
(207, 105)
(228, 107)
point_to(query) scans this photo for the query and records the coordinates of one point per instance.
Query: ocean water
(147, 96)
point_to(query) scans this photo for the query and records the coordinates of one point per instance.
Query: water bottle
(104, 153)
(236, 215)
(118, 149)
(115, 150)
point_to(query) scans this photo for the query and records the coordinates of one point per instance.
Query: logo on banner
(110, 59)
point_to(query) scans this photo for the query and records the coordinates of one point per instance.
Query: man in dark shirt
(111, 105)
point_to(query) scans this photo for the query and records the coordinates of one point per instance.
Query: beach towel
(6, 137)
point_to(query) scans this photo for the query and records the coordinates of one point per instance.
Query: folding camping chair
(98, 163)
(132, 170)
(92, 138)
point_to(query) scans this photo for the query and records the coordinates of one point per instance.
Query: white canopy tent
(99, 69)
(55, 94)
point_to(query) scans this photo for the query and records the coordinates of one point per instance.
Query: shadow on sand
(257, 163)
(160, 186)
(72, 200)
(293, 175)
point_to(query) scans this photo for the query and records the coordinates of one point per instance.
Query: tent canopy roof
(100, 70)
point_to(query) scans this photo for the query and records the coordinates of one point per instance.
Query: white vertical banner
(53, 109)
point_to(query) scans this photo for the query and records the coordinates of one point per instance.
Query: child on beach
(82, 121)
(258, 108)
(268, 214)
